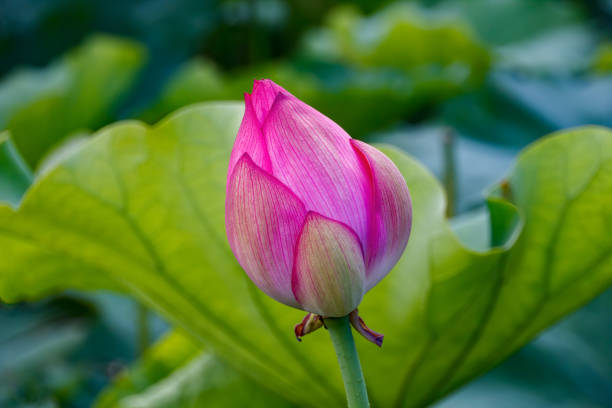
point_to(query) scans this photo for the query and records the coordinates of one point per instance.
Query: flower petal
(312, 156)
(250, 140)
(390, 215)
(329, 270)
(264, 94)
(263, 219)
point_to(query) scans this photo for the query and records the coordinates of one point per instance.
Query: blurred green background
(462, 85)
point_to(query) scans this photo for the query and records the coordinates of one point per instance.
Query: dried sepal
(310, 323)
(359, 325)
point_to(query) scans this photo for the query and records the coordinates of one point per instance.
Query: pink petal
(329, 270)
(263, 219)
(264, 94)
(313, 157)
(390, 213)
(250, 140)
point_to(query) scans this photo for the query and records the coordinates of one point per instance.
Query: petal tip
(266, 84)
(244, 160)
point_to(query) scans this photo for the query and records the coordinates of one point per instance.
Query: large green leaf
(140, 210)
(569, 365)
(563, 187)
(79, 91)
(167, 234)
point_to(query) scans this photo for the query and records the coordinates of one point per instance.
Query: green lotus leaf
(139, 210)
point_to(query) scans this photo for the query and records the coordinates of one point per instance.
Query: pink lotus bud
(315, 218)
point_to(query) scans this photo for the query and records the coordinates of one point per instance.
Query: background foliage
(452, 83)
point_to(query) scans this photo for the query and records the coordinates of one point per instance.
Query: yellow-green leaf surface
(140, 210)
(77, 92)
(464, 312)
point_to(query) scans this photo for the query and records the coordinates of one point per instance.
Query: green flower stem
(354, 384)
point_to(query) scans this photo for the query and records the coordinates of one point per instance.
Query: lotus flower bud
(315, 218)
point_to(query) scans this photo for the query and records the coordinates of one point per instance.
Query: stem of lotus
(354, 384)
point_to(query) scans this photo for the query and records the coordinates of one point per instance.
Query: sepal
(310, 323)
(359, 325)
